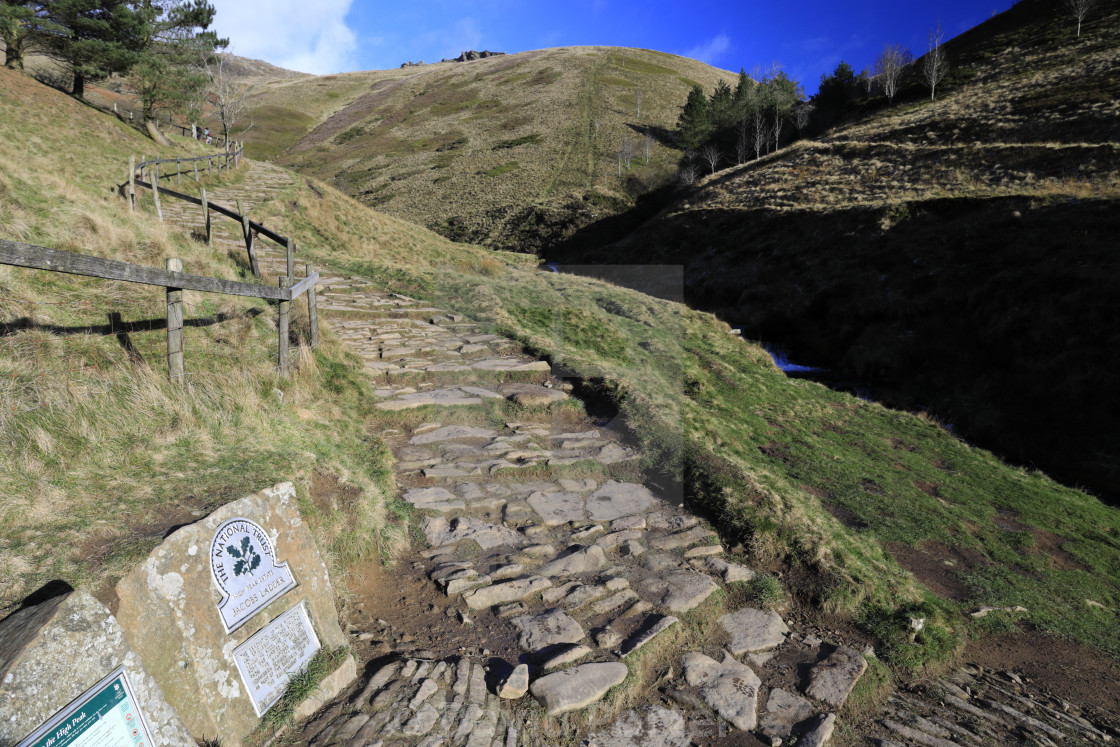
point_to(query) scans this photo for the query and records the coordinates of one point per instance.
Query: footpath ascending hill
(510, 152)
(956, 255)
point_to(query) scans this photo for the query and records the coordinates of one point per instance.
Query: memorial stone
(68, 678)
(226, 609)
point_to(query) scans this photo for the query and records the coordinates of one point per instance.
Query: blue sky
(806, 38)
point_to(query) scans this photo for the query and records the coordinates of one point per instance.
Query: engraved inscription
(274, 654)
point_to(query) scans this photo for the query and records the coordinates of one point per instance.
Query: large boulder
(169, 609)
(54, 652)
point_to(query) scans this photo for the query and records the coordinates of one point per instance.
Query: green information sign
(106, 715)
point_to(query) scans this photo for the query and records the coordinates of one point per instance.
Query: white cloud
(711, 49)
(311, 37)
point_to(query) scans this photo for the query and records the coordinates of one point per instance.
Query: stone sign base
(54, 652)
(169, 611)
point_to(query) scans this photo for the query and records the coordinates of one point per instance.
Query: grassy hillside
(101, 456)
(503, 151)
(956, 255)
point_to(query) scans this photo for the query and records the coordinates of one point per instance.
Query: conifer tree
(694, 124)
(722, 106)
(17, 19)
(94, 37)
(171, 70)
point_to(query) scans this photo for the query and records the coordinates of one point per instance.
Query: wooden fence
(128, 115)
(175, 281)
(172, 277)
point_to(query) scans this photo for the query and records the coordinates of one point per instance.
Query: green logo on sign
(248, 559)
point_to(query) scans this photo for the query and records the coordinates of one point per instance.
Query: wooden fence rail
(175, 281)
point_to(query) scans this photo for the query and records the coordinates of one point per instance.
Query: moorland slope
(512, 152)
(956, 256)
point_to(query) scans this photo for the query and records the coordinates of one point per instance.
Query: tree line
(164, 47)
(732, 124)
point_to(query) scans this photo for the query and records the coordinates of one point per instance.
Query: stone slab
(679, 591)
(557, 508)
(754, 630)
(168, 609)
(651, 727)
(553, 628)
(832, 680)
(617, 499)
(53, 652)
(578, 687)
(729, 687)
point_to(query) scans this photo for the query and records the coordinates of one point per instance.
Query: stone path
(538, 529)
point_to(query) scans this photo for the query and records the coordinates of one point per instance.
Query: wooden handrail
(56, 260)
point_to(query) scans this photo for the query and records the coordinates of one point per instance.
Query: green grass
(301, 686)
(501, 169)
(518, 141)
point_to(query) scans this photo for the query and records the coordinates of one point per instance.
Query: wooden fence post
(142, 168)
(132, 183)
(248, 234)
(206, 218)
(155, 190)
(312, 310)
(195, 171)
(209, 165)
(194, 131)
(291, 247)
(175, 326)
(178, 172)
(285, 308)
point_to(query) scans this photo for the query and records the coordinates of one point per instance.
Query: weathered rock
(729, 572)
(168, 612)
(819, 733)
(783, 711)
(679, 591)
(531, 395)
(517, 684)
(578, 687)
(681, 539)
(539, 632)
(832, 680)
(916, 735)
(557, 508)
(507, 591)
(730, 688)
(650, 727)
(443, 397)
(649, 631)
(441, 531)
(612, 453)
(421, 723)
(617, 499)
(351, 727)
(580, 559)
(613, 602)
(754, 630)
(450, 432)
(54, 651)
(566, 656)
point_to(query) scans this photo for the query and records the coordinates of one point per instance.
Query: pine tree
(94, 37)
(171, 70)
(721, 106)
(740, 99)
(694, 125)
(16, 22)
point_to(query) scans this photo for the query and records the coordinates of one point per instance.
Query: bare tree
(760, 131)
(802, 113)
(743, 142)
(638, 101)
(625, 154)
(935, 64)
(686, 174)
(229, 96)
(648, 144)
(1080, 9)
(712, 155)
(889, 67)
